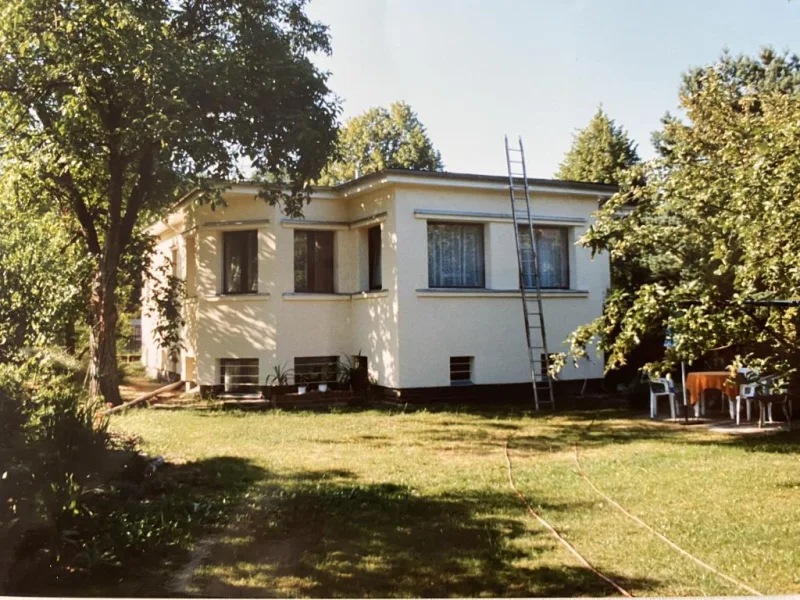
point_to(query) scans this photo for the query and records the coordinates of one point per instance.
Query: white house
(416, 271)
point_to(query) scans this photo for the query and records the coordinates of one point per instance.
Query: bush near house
(78, 503)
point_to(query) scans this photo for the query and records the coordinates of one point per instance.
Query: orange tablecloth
(700, 381)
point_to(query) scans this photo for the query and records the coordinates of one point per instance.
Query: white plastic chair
(751, 391)
(747, 392)
(662, 387)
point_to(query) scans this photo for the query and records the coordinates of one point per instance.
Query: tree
(599, 153)
(381, 139)
(116, 106)
(713, 220)
(42, 272)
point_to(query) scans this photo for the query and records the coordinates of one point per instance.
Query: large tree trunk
(104, 376)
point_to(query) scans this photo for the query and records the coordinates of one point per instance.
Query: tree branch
(139, 193)
(67, 184)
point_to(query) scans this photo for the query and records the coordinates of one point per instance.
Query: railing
(133, 343)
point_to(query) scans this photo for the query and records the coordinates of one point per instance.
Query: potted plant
(278, 381)
(302, 383)
(328, 375)
(352, 374)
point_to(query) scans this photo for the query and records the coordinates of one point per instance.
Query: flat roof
(561, 185)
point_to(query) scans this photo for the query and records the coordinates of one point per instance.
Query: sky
(474, 70)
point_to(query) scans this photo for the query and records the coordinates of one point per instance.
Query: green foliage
(281, 374)
(600, 153)
(77, 503)
(348, 369)
(50, 446)
(712, 221)
(381, 139)
(113, 108)
(167, 293)
(146, 95)
(43, 273)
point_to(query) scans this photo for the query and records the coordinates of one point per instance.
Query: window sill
(336, 297)
(490, 293)
(237, 298)
(367, 294)
(315, 297)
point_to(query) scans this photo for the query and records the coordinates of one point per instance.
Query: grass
(382, 503)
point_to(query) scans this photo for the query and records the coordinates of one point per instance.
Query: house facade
(414, 273)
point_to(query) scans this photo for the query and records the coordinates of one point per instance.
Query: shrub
(51, 446)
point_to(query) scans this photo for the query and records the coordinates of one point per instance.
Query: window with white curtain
(240, 256)
(552, 247)
(455, 255)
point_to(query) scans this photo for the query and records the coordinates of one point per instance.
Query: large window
(313, 261)
(374, 257)
(455, 255)
(553, 250)
(240, 268)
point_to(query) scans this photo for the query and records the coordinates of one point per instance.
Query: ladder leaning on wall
(538, 355)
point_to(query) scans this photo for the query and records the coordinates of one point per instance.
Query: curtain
(241, 262)
(323, 261)
(313, 261)
(551, 244)
(455, 255)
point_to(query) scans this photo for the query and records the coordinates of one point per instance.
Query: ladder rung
(531, 298)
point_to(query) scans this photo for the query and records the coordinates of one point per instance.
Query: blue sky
(474, 70)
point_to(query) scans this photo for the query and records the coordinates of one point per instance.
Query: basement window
(461, 370)
(238, 375)
(315, 369)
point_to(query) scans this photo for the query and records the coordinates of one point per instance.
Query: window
(240, 269)
(374, 257)
(455, 255)
(313, 261)
(315, 369)
(552, 246)
(238, 374)
(461, 370)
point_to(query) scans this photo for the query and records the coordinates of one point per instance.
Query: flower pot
(301, 389)
(322, 387)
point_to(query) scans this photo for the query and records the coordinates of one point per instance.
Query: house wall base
(567, 394)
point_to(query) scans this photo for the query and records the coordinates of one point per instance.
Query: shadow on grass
(343, 538)
(137, 529)
(773, 442)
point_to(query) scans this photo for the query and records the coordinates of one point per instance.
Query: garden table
(699, 381)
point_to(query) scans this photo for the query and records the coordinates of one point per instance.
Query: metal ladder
(538, 355)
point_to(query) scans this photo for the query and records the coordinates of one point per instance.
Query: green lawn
(385, 503)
